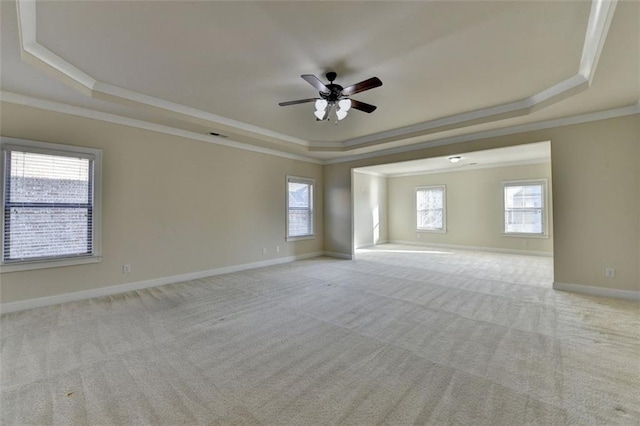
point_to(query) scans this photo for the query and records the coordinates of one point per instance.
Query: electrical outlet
(609, 272)
(277, 249)
(264, 250)
(126, 268)
(417, 235)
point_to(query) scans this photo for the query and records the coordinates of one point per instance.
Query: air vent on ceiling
(217, 134)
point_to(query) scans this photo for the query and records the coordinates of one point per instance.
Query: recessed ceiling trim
(600, 17)
(369, 172)
(541, 125)
(26, 19)
(36, 54)
(107, 91)
(551, 95)
(597, 28)
(558, 92)
(508, 110)
(468, 168)
(48, 61)
(18, 99)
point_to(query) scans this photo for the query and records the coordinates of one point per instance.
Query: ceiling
(449, 69)
(532, 153)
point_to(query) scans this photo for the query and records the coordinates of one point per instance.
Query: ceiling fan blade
(363, 106)
(362, 86)
(299, 101)
(315, 82)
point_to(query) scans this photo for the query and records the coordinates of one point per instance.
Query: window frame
(442, 230)
(302, 180)
(544, 209)
(23, 145)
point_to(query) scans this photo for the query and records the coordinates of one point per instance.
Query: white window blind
(48, 205)
(430, 206)
(299, 207)
(524, 207)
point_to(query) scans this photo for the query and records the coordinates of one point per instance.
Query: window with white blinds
(49, 203)
(299, 208)
(431, 208)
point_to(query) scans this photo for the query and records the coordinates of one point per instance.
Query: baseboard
(477, 248)
(338, 255)
(366, 246)
(23, 305)
(598, 291)
(372, 245)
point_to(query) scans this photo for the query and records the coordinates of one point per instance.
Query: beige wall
(596, 172)
(174, 206)
(474, 208)
(338, 229)
(170, 206)
(593, 229)
(369, 209)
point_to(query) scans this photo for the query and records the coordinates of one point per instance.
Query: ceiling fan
(334, 97)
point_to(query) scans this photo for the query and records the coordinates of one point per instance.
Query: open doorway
(493, 201)
(370, 209)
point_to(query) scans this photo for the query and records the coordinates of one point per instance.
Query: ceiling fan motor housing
(334, 94)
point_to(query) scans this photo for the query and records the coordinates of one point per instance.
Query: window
(51, 207)
(299, 208)
(431, 208)
(525, 207)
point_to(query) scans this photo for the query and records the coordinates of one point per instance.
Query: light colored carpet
(399, 336)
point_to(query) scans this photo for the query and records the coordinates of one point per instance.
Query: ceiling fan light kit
(334, 98)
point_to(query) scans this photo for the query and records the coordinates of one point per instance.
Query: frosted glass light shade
(345, 105)
(321, 105)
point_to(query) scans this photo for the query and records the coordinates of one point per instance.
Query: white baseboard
(338, 255)
(23, 305)
(598, 291)
(372, 245)
(477, 248)
(366, 246)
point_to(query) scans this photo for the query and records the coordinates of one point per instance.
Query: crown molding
(35, 54)
(541, 125)
(370, 173)
(599, 21)
(18, 99)
(469, 168)
(110, 92)
(519, 108)
(600, 17)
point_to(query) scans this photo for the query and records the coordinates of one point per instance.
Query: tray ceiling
(448, 68)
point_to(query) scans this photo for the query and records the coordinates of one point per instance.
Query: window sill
(26, 266)
(437, 231)
(523, 235)
(300, 238)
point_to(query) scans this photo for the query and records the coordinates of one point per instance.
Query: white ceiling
(533, 153)
(449, 69)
